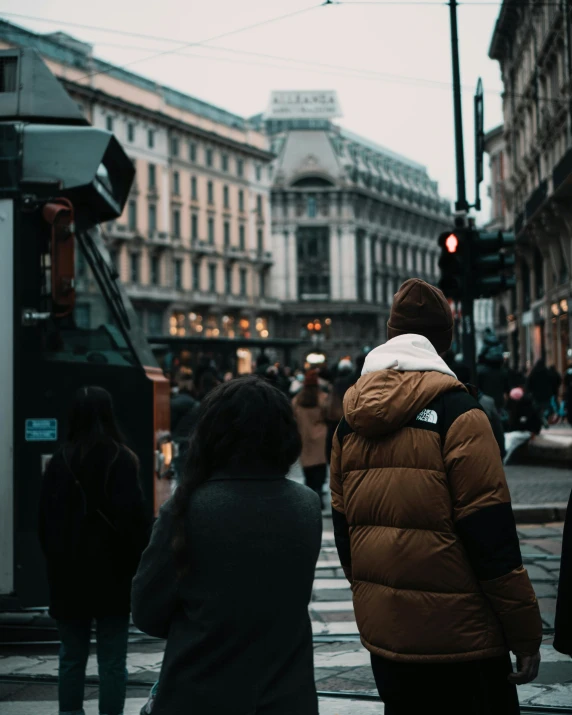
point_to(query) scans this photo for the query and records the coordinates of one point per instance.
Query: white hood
(406, 353)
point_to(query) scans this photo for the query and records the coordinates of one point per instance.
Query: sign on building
(305, 104)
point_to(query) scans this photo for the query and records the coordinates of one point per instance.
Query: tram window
(102, 320)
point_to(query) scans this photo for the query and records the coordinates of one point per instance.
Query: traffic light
(475, 263)
(452, 245)
(493, 263)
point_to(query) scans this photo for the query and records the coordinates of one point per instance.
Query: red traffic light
(452, 243)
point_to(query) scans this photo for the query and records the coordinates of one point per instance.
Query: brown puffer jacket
(424, 525)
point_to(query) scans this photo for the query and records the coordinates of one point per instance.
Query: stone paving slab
(328, 706)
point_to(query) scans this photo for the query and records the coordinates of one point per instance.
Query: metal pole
(461, 204)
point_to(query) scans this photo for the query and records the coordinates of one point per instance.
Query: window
(241, 239)
(243, 281)
(194, 227)
(155, 322)
(192, 151)
(262, 283)
(178, 266)
(155, 266)
(225, 197)
(224, 162)
(258, 172)
(152, 177)
(209, 157)
(211, 236)
(241, 200)
(176, 183)
(228, 280)
(176, 224)
(311, 207)
(194, 193)
(130, 132)
(152, 218)
(150, 138)
(196, 275)
(134, 268)
(109, 123)
(82, 315)
(240, 167)
(313, 245)
(210, 192)
(226, 234)
(132, 215)
(260, 241)
(259, 205)
(81, 264)
(174, 146)
(212, 278)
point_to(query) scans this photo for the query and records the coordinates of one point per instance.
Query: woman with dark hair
(310, 411)
(227, 577)
(93, 529)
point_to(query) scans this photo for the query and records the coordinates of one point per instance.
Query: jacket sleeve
(485, 523)
(563, 622)
(154, 588)
(340, 524)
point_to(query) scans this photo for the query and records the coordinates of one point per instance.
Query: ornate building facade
(351, 221)
(532, 43)
(193, 247)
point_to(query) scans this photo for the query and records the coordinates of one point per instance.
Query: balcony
(156, 293)
(160, 239)
(263, 257)
(235, 253)
(118, 232)
(203, 248)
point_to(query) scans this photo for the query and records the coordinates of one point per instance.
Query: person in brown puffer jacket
(425, 530)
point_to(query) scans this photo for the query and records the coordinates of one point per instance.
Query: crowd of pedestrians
(421, 514)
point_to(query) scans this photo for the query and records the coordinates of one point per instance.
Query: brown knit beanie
(422, 309)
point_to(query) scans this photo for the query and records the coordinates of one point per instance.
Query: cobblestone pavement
(537, 484)
(341, 663)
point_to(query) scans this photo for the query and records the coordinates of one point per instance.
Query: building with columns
(193, 246)
(351, 221)
(532, 43)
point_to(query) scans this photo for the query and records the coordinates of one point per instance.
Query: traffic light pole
(461, 205)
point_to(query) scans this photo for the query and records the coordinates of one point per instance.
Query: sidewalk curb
(539, 513)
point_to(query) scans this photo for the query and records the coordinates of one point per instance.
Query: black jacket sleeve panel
(563, 622)
(342, 537)
(154, 589)
(490, 539)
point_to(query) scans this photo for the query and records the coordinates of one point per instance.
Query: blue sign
(44, 430)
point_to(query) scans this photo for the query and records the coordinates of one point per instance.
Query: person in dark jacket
(93, 529)
(563, 621)
(568, 392)
(227, 577)
(492, 376)
(540, 386)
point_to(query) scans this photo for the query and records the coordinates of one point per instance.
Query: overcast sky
(390, 63)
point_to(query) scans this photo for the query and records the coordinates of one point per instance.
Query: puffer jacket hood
(398, 380)
(383, 402)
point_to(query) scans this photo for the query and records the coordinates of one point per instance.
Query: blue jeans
(111, 634)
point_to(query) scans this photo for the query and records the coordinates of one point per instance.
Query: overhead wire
(222, 35)
(324, 68)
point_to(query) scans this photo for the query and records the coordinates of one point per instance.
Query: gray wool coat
(239, 637)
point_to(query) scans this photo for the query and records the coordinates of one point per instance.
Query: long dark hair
(245, 425)
(91, 424)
